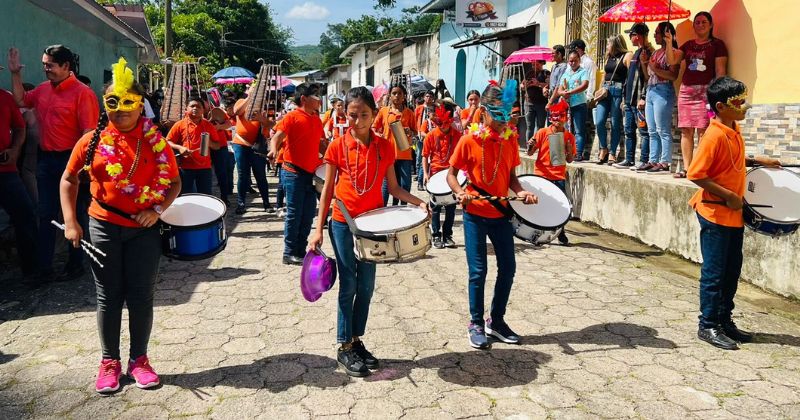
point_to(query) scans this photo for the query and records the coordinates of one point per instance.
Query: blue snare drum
(193, 228)
(772, 201)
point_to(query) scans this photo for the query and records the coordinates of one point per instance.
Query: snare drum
(540, 223)
(397, 234)
(319, 177)
(193, 227)
(440, 191)
(772, 201)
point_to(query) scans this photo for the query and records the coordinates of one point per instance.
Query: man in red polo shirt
(14, 198)
(66, 109)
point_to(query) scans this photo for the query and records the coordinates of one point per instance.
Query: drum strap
(112, 209)
(355, 230)
(506, 211)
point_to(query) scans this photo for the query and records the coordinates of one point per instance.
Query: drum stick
(497, 198)
(720, 202)
(85, 245)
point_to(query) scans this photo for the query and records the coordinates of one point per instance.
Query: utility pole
(167, 34)
(223, 43)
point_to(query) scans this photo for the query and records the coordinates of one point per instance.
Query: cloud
(308, 11)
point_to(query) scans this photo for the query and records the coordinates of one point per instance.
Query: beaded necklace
(483, 132)
(353, 181)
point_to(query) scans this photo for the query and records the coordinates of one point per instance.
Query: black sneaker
(449, 242)
(623, 165)
(437, 242)
(501, 331)
(240, 209)
(477, 336)
(562, 238)
(351, 362)
(371, 361)
(717, 338)
(732, 331)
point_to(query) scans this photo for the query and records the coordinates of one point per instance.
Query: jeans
(301, 205)
(247, 160)
(128, 277)
(280, 192)
(610, 106)
(449, 218)
(721, 247)
(501, 233)
(49, 169)
(578, 114)
(562, 185)
(660, 103)
(14, 199)
(196, 181)
(219, 159)
(402, 169)
(356, 284)
(631, 127)
(420, 174)
(231, 166)
(534, 118)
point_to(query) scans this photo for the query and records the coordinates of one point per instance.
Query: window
(574, 18)
(604, 31)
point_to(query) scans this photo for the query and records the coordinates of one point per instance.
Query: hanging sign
(482, 13)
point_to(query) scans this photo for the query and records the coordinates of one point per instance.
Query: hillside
(310, 54)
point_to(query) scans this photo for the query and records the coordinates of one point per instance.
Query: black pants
(128, 277)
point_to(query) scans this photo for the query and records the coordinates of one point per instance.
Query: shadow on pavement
(627, 253)
(783, 339)
(618, 334)
(5, 358)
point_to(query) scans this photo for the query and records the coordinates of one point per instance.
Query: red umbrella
(529, 54)
(645, 11)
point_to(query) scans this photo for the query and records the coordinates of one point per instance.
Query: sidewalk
(608, 331)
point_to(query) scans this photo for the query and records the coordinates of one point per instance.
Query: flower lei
(484, 131)
(143, 195)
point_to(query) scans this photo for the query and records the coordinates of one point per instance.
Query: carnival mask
(738, 103)
(126, 103)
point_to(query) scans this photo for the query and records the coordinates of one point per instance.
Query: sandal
(679, 174)
(611, 160)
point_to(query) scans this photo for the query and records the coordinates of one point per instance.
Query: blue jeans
(535, 115)
(14, 199)
(301, 205)
(247, 160)
(230, 168)
(501, 233)
(611, 105)
(630, 137)
(420, 175)
(356, 284)
(578, 115)
(721, 247)
(402, 169)
(658, 111)
(219, 159)
(196, 181)
(49, 169)
(449, 218)
(280, 193)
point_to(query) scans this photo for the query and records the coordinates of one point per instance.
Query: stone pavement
(608, 331)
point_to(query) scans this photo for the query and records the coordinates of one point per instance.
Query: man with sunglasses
(634, 98)
(66, 109)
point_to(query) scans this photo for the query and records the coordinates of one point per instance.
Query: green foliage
(309, 57)
(373, 28)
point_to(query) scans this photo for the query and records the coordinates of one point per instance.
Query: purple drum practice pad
(317, 276)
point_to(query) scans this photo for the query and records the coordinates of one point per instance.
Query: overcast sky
(310, 18)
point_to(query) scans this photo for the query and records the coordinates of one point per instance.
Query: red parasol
(529, 54)
(645, 11)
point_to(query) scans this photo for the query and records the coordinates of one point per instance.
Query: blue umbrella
(233, 72)
(289, 89)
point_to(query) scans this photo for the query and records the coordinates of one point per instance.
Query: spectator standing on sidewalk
(661, 102)
(635, 96)
(536, 80)
(616, 73)
(572, 87)
(589, 65)
(558, 69)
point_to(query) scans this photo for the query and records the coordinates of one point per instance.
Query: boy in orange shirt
(184, 138)
(544, 164)
(436, 152)
(719, 169)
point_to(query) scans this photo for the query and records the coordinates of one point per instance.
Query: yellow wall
(758, 34)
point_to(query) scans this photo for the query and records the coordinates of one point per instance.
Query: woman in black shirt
(615, 75)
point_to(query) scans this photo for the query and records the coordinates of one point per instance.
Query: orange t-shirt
(719, 157)
(246, 130)
(10, 119)
(329, 125)
(476, 118)
(439, 146)
(543, 167)
(104, 188)
(303, 134)
(327, 116)
(64, 112)
(501, 154)
(187, 134)
(351, 157)
(385, 117)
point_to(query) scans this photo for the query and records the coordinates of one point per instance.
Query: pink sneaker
(108, 376)
(140, 371)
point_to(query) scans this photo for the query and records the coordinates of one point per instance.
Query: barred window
(574, 18)
(604, 31)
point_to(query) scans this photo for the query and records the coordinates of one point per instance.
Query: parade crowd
(110, 175)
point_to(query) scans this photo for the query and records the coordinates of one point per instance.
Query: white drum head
(193, 210)
(438, 182)
(320, 171)
(553, 208)
(778, 188)
(390, 219)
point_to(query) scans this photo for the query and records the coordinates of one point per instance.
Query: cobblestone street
(609, 331)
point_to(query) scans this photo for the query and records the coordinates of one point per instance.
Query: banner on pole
(482, 13)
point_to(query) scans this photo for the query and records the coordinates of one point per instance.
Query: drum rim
(197, 257)
(201, 226)
(534, 225)
(755, 211)
(382, 232)
(463, 184)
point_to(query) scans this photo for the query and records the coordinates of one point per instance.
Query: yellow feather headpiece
(120, 98)
(122, 77)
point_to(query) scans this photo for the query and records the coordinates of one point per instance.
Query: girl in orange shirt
(133, 178)
(474, 112)
(357, 162)
(398, 111)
